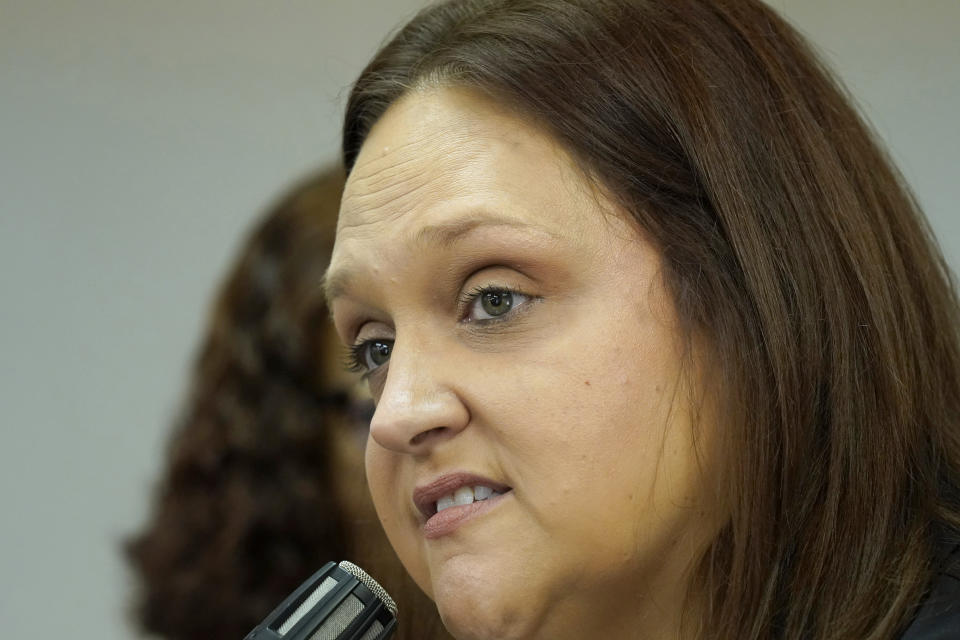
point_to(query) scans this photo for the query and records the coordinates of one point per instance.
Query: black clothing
(939, 615)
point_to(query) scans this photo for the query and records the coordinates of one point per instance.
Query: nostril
(424, 435)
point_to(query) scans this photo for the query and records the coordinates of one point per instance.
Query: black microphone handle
(338, 602)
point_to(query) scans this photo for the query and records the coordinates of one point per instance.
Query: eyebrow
(443, 235)
(446, 234)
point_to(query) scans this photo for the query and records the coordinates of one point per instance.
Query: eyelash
(355, 360)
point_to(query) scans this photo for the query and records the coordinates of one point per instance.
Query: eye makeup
(370, 354)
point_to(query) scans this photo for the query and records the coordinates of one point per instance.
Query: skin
(347, 440)
(574, 398)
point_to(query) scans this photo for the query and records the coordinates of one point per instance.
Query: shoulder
(939, 615)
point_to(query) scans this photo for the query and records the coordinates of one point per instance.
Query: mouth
(455, 490)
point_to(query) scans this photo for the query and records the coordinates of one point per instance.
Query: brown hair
(245, 510)
(789, 243)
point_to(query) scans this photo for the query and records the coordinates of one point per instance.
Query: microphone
(338, 602)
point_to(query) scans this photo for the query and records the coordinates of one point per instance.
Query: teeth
(482, 493)
(465, 496)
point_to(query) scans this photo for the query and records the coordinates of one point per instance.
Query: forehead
(440, 150)
(443, 162)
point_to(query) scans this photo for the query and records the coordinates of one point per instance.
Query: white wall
(137, 141)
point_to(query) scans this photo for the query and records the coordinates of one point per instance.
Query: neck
(662, 611)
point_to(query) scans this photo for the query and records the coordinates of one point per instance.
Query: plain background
(139, 139)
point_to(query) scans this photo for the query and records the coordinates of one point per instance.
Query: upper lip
(425, 496)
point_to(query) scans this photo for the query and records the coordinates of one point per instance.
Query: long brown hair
(246, 509)
(790, 244)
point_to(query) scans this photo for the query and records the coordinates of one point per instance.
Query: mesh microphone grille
(340, 618)
(371, 584)
(308, 604)
(373, 632)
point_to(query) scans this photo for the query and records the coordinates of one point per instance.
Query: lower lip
(449, 520)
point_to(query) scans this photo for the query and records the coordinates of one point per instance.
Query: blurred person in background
(264, 480)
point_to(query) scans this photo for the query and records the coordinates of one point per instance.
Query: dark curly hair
(246, 508)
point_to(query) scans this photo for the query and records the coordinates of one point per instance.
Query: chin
(476, 607)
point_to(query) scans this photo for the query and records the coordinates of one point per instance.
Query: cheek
(595, 392)
(606, 416)
(383, 477)
(347, 466)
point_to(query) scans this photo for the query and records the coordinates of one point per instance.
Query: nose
(418, 406)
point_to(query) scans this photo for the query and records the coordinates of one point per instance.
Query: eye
(491, 303)
(370, 354)
(496, 303)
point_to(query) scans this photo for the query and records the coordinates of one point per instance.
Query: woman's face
(521, 350)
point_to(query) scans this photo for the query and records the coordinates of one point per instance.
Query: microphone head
(370, 583)
(339, 602)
